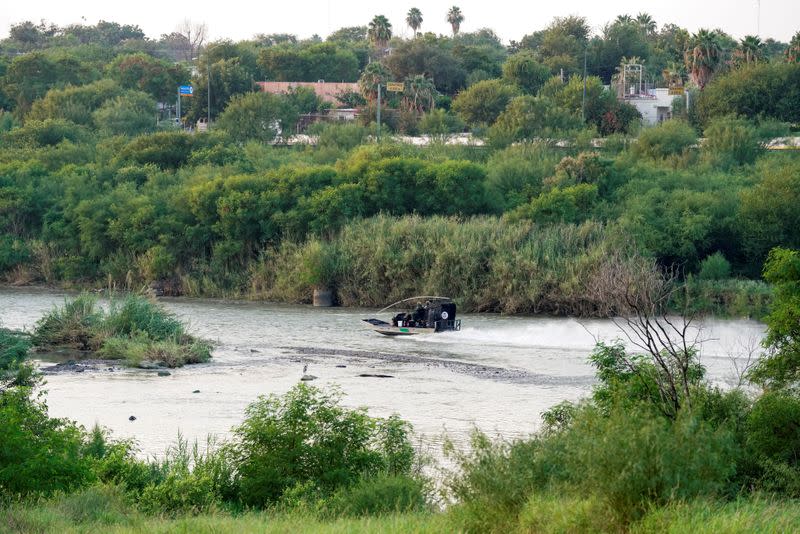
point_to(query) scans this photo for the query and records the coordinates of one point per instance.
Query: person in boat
(419, 315)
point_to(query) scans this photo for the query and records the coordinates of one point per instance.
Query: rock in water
(164, 373)
(196, 391)
(132, 418)
(307, 378)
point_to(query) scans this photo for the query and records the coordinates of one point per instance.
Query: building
(655, 105)
(326, 91)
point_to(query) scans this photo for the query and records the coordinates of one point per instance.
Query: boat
(426, 315)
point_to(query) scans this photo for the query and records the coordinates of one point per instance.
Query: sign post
(183, 90)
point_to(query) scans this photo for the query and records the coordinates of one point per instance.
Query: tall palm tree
(414, 19)
(646, 23)
(623, 19)
(703, 56)
(379, 32)
(455, 18)
(793, 52)
(750, 49)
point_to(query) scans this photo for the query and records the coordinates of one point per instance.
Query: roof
(327, 91)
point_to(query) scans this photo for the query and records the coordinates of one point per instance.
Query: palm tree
(414, 19)
(420, 93)
(623, 19)
(703, 56)
(379, 32)
(750, 49)
(374, 73)
(646, 23)
(793, 52)
(455, 18)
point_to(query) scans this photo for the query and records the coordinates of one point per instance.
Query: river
(499, 373)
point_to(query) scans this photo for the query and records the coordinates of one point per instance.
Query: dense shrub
(307, 438)
(731, 141)
(39, 454)
(714, 267)
(668, 139)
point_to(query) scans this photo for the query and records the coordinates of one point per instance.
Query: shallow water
(261, 348)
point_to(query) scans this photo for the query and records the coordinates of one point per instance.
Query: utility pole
(208, 90)
(178, 107)
(378, 113)
(758, 18)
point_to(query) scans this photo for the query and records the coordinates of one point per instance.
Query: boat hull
(387, 329)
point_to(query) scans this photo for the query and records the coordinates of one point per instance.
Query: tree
(646, 23)
(525, 72)
(132, 113)
(704, 56)
(194, 35)
(419, 94)
(780, 366)
(793, 50)
(259, 117)
(561, 45)
(768, 89)
(750, 50)
(145, 73)
(374, 74)
(228, 78)
(768, 212)
(350, 34)
(430, 58)
(379, 32)
(483, 102)
(455, 18)
(528, 118)
(414, 19)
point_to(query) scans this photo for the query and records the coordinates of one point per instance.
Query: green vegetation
(99, 187)
(135, 329)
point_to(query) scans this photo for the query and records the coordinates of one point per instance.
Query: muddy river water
(498, 373)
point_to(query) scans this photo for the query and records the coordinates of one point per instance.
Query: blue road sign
(185, 90)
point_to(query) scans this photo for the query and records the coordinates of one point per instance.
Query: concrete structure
(655, 105)
(324, 90)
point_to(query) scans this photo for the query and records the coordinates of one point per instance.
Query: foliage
(668, 139)
(38, 454)
(483, 102)
(730, 141)
(781, 365)
(530, 118)
(306, 437)
(129, 114)
(714, 267)
(257, 116)
(767, 212)
(523, 70)
(764, 90)
(135, 329)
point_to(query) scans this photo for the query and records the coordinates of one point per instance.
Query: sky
(241, 19)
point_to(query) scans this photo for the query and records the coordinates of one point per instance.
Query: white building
(655, 105)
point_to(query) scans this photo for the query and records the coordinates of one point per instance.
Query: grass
(136, 329)
(106, 509)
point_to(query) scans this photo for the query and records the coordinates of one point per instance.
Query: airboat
(423, 315)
